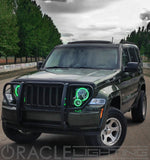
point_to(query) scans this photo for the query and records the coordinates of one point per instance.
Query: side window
(125, 57)
(133, 56)
(137, 54)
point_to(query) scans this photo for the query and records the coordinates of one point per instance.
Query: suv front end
(52, 107)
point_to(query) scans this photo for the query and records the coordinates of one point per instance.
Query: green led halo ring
(86, 92)
(78, 111)
(16, 90)
(76, 102)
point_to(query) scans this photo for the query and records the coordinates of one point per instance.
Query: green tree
(142, 50)
(37, 33)
(8, 29)
(141, 38)
(148, 27)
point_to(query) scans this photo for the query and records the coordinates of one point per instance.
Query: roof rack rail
(127, 42)
(91, 41)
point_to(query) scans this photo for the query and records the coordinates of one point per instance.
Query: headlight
(77, 102)
(78, 96)
(9, 97)
(11, 93)
(81, 95)
(98, 101)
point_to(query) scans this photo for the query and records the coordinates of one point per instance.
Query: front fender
(109, 93)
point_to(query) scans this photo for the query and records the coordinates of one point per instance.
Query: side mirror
(132, 67)
(39, 64)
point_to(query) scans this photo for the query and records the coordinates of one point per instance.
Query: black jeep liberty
(82, 88)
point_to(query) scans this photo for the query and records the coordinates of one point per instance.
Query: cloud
(96, 19)
(67, 35)
(145, 15)
(49, 1)
(101, 27)
(73, 6)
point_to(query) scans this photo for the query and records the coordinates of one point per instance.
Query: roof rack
(91, 41)
(127, 42)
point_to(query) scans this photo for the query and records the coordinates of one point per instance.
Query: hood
(71, 75)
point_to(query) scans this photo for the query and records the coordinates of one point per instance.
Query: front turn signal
(101, 113)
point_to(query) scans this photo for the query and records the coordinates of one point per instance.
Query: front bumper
(48, 122)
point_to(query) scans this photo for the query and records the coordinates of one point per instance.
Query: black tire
(139, 112)
(19, 136)
(113, 114)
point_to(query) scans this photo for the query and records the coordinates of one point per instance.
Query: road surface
(135, 147)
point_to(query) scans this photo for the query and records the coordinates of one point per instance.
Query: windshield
(84, 57)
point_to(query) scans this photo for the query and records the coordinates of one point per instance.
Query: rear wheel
(139, 112)
(19, 136)
(113, 134)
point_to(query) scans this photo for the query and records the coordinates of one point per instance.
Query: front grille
(47, 95)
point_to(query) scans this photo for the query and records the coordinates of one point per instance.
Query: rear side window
(125, 57)
(137, 54)
(132, 54)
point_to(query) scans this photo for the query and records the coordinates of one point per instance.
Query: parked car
(82, 88)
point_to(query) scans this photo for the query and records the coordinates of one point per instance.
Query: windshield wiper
(91, 67)
(85, 67)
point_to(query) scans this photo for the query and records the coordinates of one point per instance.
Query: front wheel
(19, 136)
(113, 134)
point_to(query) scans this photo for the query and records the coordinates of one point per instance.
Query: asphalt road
(135, 147)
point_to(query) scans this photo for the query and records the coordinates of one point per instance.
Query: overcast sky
(96, 19)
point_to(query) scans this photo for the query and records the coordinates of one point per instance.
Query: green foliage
(141, 38)
(25, 31)
(37, 33)
(8, 29)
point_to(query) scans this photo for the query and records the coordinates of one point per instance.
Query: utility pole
(112, 39)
